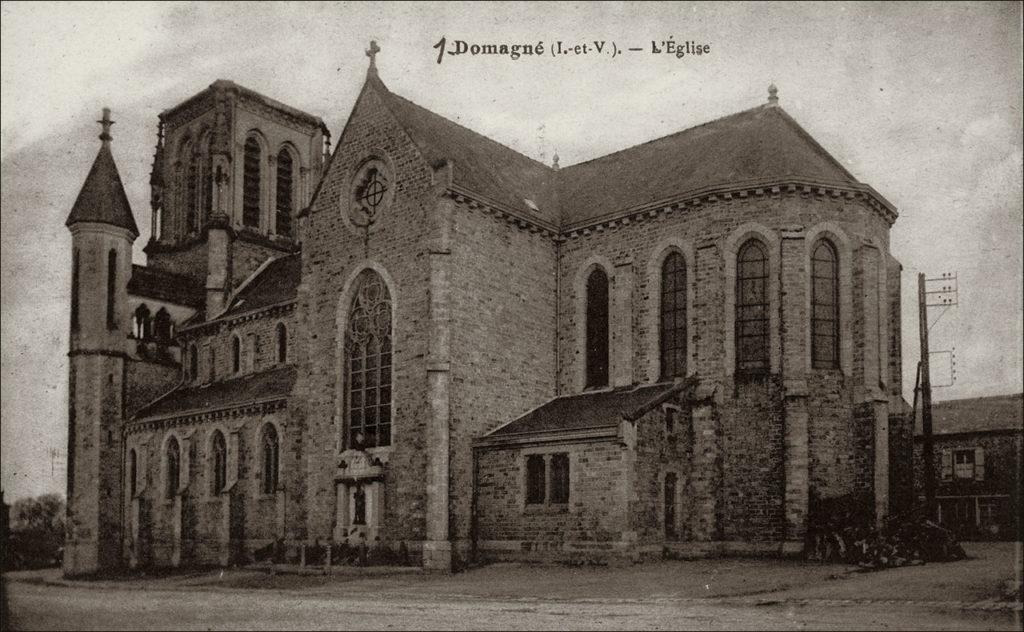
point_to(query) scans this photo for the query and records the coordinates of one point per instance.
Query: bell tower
(102, 232)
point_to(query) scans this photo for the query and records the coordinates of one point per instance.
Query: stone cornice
(188, 417)
(501, 212)
(599, 433)
(276, 309)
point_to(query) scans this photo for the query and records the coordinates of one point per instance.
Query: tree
(36, 531)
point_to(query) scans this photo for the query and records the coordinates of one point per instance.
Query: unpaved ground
(709, 594)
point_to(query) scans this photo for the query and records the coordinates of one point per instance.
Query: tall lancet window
(597, 329)
(251, 183)
(824, 307)
(284, 193)
(206, 187)
(173, 468)
(368, 363)
(673, 316)
(192, 177)
(752, 316)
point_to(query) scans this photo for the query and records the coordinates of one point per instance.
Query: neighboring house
(977, 465)
(428, 341)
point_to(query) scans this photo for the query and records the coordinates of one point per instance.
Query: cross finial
(773, 95)
(554, 161)
(372, 54)
(106, 123)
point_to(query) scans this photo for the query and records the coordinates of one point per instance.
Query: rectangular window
(559, 478)
(963, 464)
(535, 479)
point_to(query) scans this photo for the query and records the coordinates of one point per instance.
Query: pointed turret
(102, 198)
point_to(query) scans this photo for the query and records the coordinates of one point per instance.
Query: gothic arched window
(236, 354)
(206, 173)
(824, 307)
(285, 174)
(670, 505)
(597, 329)
(752, 316)
(269, 453)
(251, 166)
(192, 184)
(111, 288)
(220, 462)
(282, 343)
(142, 324)
(193, 363)
(368, 363)
(162, 325)
(173, 467)
(673, 316)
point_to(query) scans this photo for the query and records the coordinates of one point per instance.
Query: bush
(36, 538)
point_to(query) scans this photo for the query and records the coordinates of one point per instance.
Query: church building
(426, 341)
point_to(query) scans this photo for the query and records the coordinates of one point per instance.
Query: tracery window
(251, 183)
(173, 467)
(597, 329)
(285, 174)
(824, 307)
(220, 462)
(368, 363)
(673, 316)
(269, 460)
(752, 317)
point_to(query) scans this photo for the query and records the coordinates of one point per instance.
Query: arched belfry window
(824, 306)
(142, 323)
(220, 463)
(752, 315)
(269, 460)
(251, 167)
(285, 175)
(173, 467)
(673, 316)
(368, 363)
(162, 326)
(193, 363)
(282, 343)
(597, 329)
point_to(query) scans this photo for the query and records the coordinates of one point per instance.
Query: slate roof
(979, 414)
(278, 282)
(166, 286)
(598, 409)
(480, 164)
(760, 145)
(255, 387)
(102, 198)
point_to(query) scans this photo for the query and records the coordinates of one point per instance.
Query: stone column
(795, 356)
(874, 288)
(437, 550)
(622, 324)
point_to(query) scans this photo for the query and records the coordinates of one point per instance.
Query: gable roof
(102, 198)
(166, 286)
(977, 414)
(278, 282)
(248, 389)
(757, 146)
(479, 164)
(598, 409)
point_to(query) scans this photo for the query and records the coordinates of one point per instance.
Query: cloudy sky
(922, 101)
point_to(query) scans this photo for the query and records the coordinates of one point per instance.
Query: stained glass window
(597, 329)
(251, 183)
(752, 318)
(284, 193)
(673, 316)
(824, 307)
(368, 362)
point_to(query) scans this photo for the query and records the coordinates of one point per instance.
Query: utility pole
(945, 297)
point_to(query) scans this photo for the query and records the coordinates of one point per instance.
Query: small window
(193, 363)
(162, 329)
(133, 473)
(963, 464)
(270, 460)
(559, 478)
(220, 462)
(236, 354)
(111, 289)
(141, 328)
(173, 467)
(535, 479)
(282, 343)
(597, 329)
(74, 294)
(284, 193)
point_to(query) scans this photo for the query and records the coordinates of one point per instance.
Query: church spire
(102, 199)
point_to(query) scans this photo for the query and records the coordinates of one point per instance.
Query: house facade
(424, 340)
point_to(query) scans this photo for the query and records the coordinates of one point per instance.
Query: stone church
(426, 341)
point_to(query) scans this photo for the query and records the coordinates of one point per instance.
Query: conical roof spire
(102, 198)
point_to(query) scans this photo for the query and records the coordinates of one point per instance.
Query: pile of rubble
(903, 540)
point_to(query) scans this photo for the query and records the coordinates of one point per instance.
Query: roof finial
(773, 95)
(554, 162)
(106, 123)
(372, 54)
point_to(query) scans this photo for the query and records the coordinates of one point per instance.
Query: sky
(921, 101)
